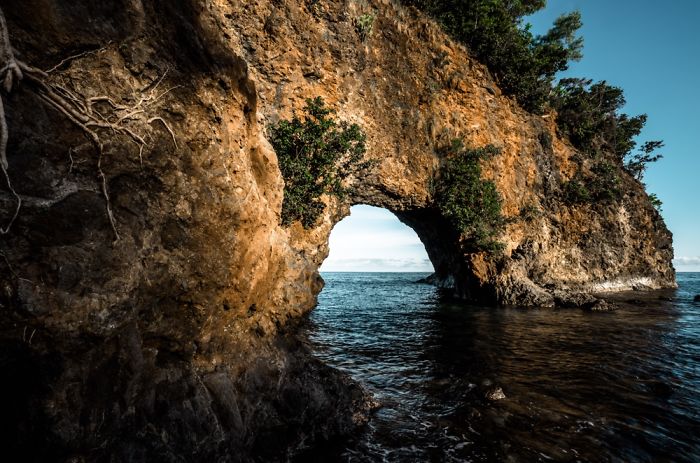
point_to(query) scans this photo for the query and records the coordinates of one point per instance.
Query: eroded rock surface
(176, 341)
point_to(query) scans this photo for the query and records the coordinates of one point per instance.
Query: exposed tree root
(76, 56)
(79, 110)
(9, 74)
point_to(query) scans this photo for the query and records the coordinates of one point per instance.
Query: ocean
(458, 382)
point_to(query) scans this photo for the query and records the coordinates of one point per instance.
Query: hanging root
(4, 166)
(10, 73)
(165, 124)
(76, 56)
(77, 109)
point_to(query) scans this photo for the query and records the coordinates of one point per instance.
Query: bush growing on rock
(606, 184)
(589, 115)
(316, 154)
(655, 201)
(636, 164)
(470, 203)
(576, 192)
(363, 25)
(603, 185)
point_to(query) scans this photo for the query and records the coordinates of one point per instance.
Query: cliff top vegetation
(525, 66)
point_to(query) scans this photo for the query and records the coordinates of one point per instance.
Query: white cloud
(367, 243)
(687, 264)
(373, 239)
(377, 265)
(687, 260)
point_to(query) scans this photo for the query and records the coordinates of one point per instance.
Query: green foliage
(316, 154)
(655, 201)
(589, 115)
(363, 25)
(636, 164)
(524, 64)
(470, 203)
(604, 185)
(576, 192)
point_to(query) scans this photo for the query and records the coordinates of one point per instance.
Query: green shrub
(602, 185)
(363, 25)
(588, 114)
(605, 184)
(470, 203)
(655, 201)
(576, 192)
(316, 154)
(636, 164)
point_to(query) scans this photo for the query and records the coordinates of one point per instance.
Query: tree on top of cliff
(636, 164)
(523, 64)
(316, 154)
(589, 114)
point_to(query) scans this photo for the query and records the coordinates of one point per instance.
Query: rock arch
(175, 340)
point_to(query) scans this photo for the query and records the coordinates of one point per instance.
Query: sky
(649, 48)
(373, 240)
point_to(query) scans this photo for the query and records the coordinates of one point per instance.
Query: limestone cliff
(174, 340)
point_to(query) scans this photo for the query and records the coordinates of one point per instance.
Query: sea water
(578, 386)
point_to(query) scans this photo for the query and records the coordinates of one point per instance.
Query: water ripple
(621, 386)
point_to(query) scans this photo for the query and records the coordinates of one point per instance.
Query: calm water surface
(619, 386)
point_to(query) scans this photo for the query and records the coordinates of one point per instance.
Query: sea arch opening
(373, 239)
(377, 323)
(379, 238)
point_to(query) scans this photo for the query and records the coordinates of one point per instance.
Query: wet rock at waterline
(602, 306)
(495, 394)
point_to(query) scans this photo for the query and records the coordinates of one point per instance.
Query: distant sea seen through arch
(373, 239)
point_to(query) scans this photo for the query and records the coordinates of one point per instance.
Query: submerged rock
(495, 394)
(602, 306)
(696, 298)
(585, 301)
(574, 299)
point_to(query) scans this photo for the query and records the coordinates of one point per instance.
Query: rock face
(177, 340)
(414, 91)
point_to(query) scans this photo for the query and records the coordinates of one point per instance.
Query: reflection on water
(621, 386)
